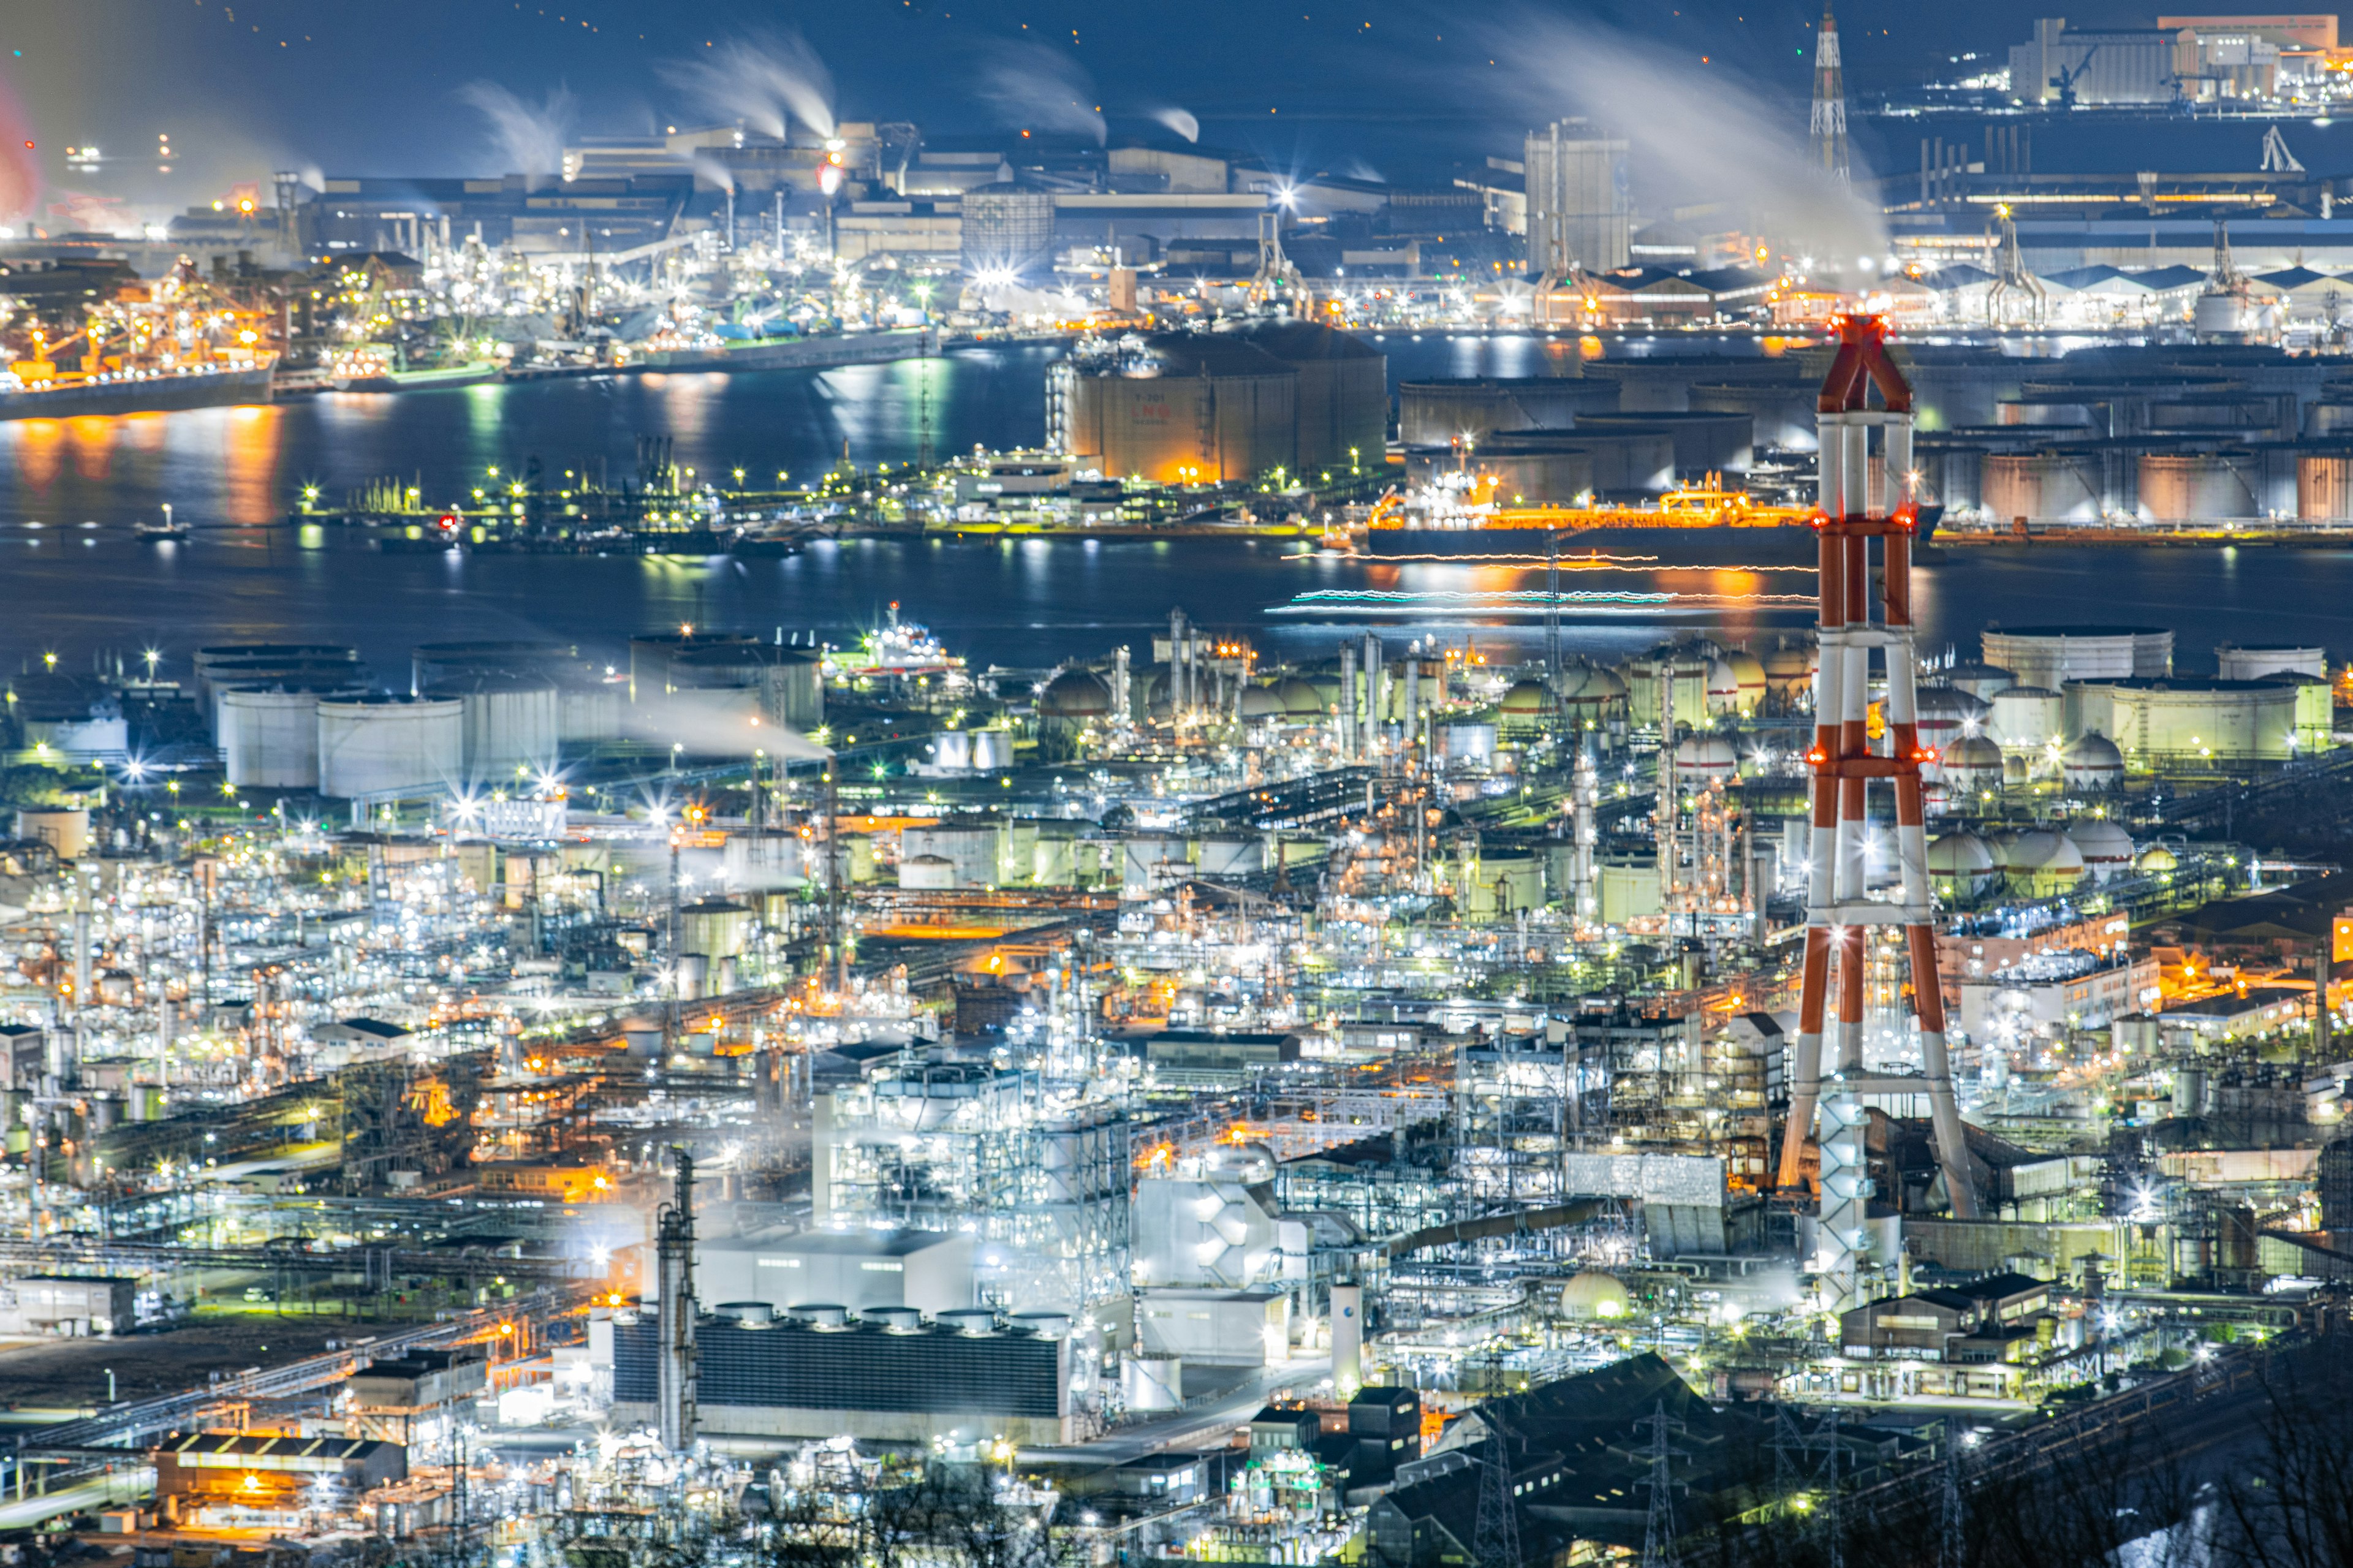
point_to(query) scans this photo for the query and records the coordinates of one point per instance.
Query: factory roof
(846, 1243)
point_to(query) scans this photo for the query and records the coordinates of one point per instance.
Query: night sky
(1401, 90)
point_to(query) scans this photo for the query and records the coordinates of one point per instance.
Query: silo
(269, 737)
(2041, 487)
(510, 721)
(389, 746)
(2195, 486)
(2324, 485)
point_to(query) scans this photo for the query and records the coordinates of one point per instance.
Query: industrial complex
(1388, 1081)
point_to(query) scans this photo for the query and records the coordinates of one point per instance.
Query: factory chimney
(1862, 610)
(674, 1269)
(1829, 99)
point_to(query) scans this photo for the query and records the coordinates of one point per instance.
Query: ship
(1450, 519)
(900, 648)
(135, 393)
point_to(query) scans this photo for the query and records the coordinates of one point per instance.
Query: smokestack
(674, 1266)
(1829, 99)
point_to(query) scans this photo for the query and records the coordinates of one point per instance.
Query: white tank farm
(2049, 657)
(269, 737)
(390, 745)
(2236, 663)
(930, 873)
(510, 721)
(2197, 487)
(2091, 764)
(2026, 718)
(2107, 849)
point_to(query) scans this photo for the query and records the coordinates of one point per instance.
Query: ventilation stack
(1854, 509)
(674, 1266)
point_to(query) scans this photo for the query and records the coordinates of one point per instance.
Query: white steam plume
(1696, 128)
(1181, 121)
(1031, 85)
(712, 172)
(768, 80)
(531, 137)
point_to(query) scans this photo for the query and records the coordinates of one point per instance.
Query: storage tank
(950, 749)
(2049, 657)
(510, 721)
(2026, 718)
(588, 713)
(1962, 867)
(1439, 412)
(972, 847)
(1789, 673)
(2041, 863)
(2236, 663)
(1779, 416)
(2041, 487)
(1258, 705)
(1971, 765)
(1526, 708)
(269, 737)
(1231, 855)
(1980, 681)
(1075, 696)
(763, 859)
(929, 873)
(1946, 713)
(2195, 486)
(1588, 693)
(1468, 743)
(225, 664)
(713, 927)
(1701, 442)
(1196, 408)
(1749, 681)
(1301, 703)
(2323, 486)
(1701, 760)
(2092, 764)
(1006, 228)
(1536, 467)
(389, 746)
(1341, 403)
(991, 750)
(2107, 849)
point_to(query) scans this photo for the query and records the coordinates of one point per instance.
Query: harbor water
(70, 491)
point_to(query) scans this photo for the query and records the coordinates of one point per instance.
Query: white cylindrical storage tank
(764, 859)
(2092, 764)
(2236, 663)
(928, 872)
(2026, 718)
(2194, 487)
(991, 750)
(588, 712)
(270, 738)
(2049, 657)
(1723, 687)
(951, 748)
(971, 847)
(2107, 849)
(1980, 681)
(1231, 855)
(389, 746)
(2041, 486)
(510, 721)
(1468, 743)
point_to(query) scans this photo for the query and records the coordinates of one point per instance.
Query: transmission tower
(1496, 1540)
(1659, 1528)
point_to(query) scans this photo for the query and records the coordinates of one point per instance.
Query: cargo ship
(137, 393)
(1451, 521)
